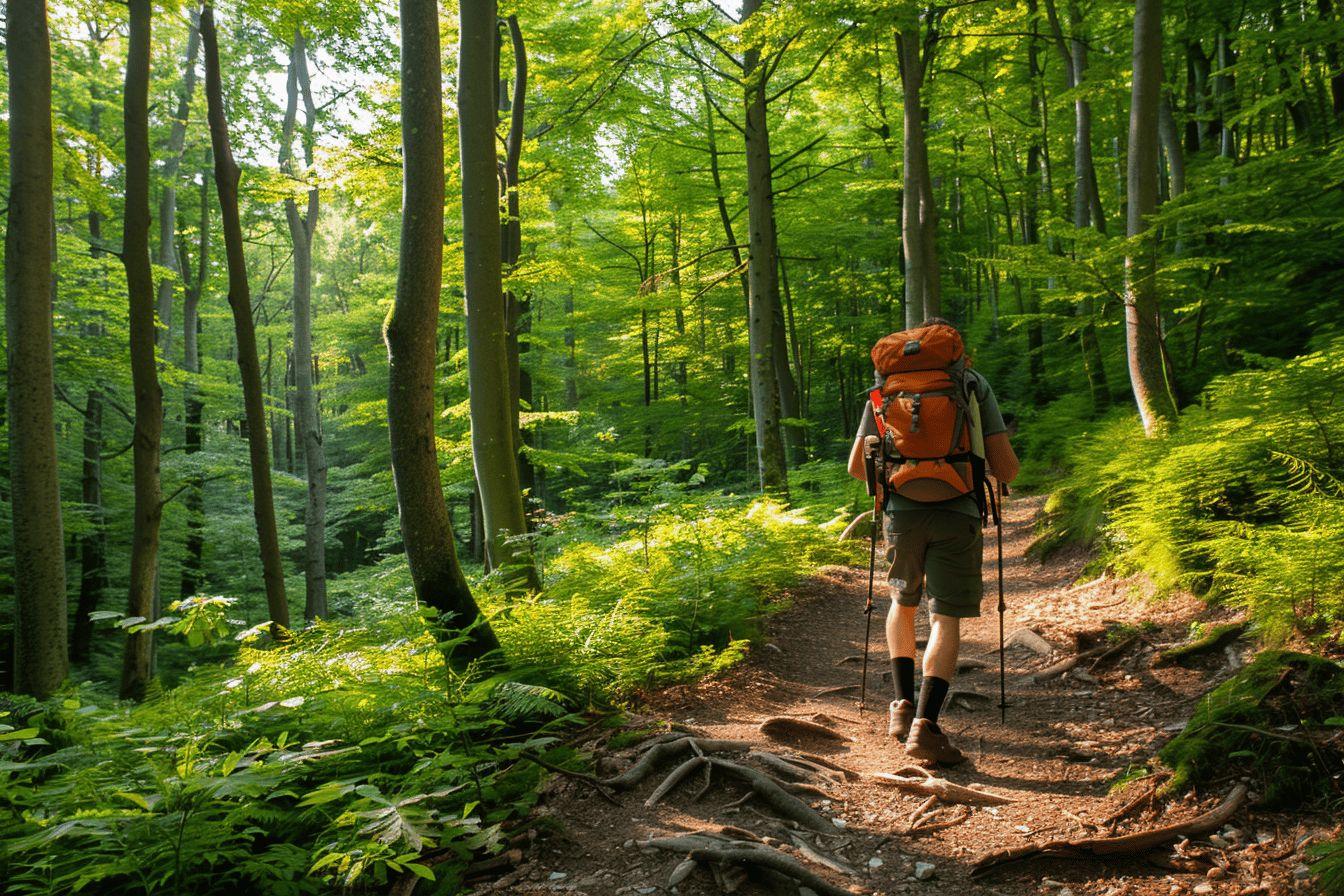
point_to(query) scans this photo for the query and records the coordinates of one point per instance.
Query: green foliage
(1328, 864)
(679, 595)
(340, 757)
(1243, 502)
(1265, 721)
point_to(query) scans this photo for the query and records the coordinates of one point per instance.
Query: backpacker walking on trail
(936, 429)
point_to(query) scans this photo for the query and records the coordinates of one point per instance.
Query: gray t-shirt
(991, 419)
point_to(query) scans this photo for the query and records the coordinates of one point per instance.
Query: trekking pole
(870, 468)
(998, 527)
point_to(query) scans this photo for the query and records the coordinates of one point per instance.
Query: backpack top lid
(924, 348)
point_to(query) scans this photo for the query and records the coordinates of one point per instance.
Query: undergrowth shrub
(1267, 721)
(1243, 502)
(679, 596)
(339, 759)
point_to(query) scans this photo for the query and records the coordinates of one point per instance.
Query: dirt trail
(1064, 744)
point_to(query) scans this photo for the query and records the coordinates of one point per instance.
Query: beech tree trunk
(491, 397)
(518, 309)
(307, 420)
(138, 659)
(227, 174)
(1143, 333)
(411, 333)
(194, 434)
(40, 660)
(919, 214)
(762, 274)
(172, 160)
(92, 543)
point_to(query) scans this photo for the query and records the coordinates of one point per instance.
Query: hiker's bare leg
(901, 630)
(940, 657)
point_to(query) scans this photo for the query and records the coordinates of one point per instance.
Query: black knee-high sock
(932, 693)
(903, 677)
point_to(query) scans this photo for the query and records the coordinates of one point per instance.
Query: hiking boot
(928, 743)
(899, 716)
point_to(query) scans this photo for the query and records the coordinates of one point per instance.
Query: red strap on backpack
(875, 403)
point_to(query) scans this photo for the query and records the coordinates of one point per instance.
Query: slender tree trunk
(177, 137)
(762, 273)
(1143, 334)
(227, 174)
(411, 332)
(307, 420)
(1086, 198)
(518, 308)
(919, 224)
(1031, 212)
(138, 658)
(194, 435)
(93, 542)
(40, 659)
(492, 431)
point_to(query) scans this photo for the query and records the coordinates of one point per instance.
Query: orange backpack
(922, 413)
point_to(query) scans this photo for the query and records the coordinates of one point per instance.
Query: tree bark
(307, 419)
(919, 221)
(93, 542)
(227, 174)
(194, 434)
(518, 309)
(172, 160)
(1143, 333)
(411, 332)
(492, 431)
(762, 273)
(40, 660)
(138, 659)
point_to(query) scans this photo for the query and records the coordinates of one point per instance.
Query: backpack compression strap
(875, 405)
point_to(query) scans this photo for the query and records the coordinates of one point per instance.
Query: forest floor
(1065, 744)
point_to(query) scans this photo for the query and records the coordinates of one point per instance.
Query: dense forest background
(679, 228)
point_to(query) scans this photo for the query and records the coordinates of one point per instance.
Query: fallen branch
(930, 785)
(1124, 845)
(786, 727)
(928, 827)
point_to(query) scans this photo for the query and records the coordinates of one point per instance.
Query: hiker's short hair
(931, 321)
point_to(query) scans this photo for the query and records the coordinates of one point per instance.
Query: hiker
(936, 426)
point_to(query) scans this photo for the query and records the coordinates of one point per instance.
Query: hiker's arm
(1002, 459)
(856, 467)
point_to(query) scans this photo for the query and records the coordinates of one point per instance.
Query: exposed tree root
(822, 761)
(840, 689)
(763, 857)
(588, 779)
(924, 782)
(782, 767)
(1216, 638)
(670, 749)
(1128, 844)
(787, 728)
(783, 803)
(815, 855)
(675, 777)
(718, 852)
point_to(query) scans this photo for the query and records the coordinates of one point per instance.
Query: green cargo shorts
(937, 550)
